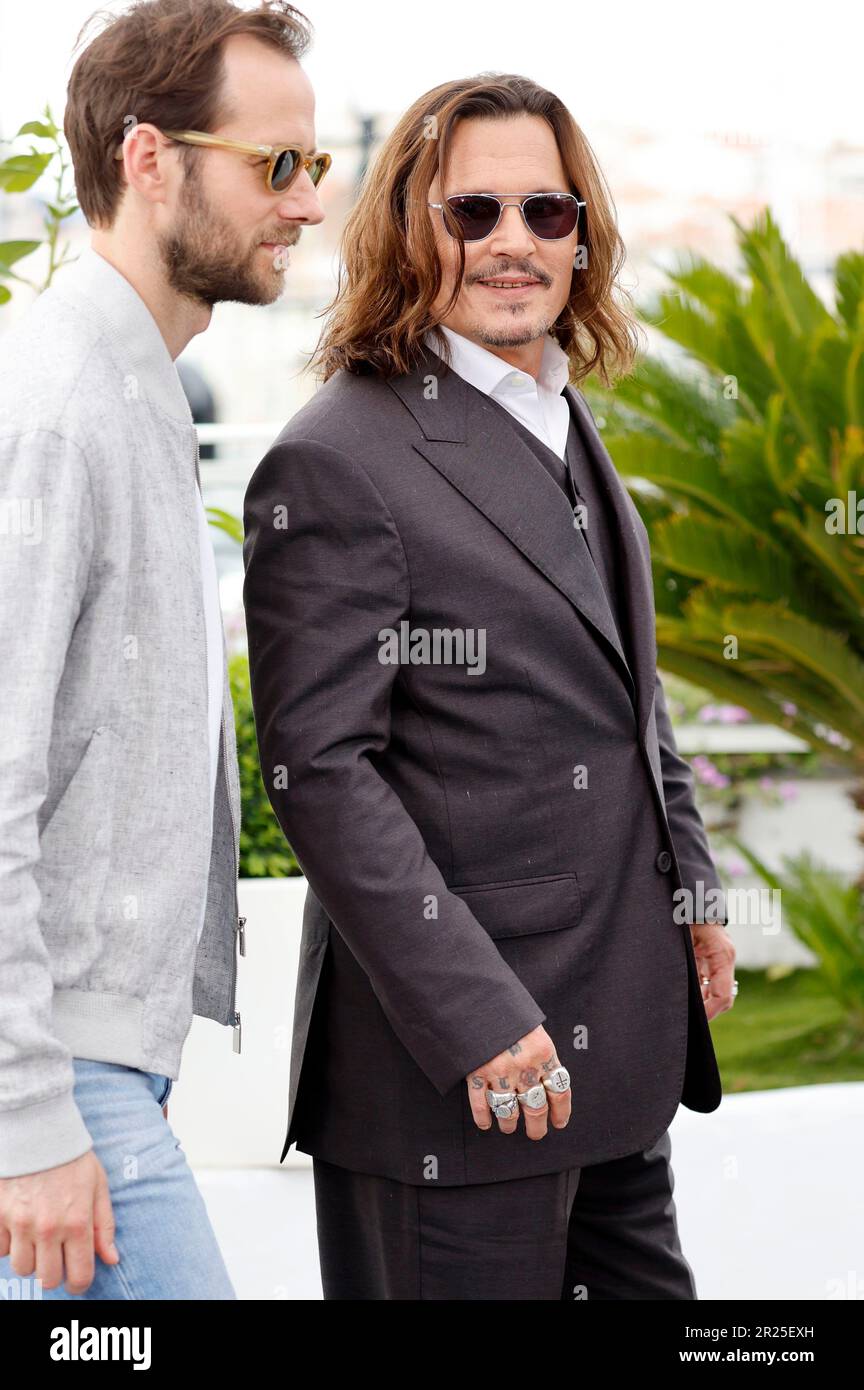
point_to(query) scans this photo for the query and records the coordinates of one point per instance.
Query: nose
(511, 237)
(300, 202)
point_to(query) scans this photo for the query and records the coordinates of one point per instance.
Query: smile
(509, 284)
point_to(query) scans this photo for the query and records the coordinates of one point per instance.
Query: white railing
(736, 738)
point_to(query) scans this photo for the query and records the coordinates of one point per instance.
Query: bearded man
(119, 790)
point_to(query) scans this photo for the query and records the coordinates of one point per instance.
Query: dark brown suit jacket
(462, 889)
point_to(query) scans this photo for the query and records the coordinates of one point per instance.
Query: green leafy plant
(785, 1030)
(18, 174)
(227, 522)
(264, 851)
(740, 445)
(733, 448)
(826, 913)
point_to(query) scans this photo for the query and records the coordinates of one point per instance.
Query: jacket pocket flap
(523, 906)
(80, 825)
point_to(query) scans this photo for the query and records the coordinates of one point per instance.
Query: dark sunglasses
(284, 162)
(549, 216)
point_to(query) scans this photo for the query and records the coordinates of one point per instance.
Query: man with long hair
(119, 788)
(463, 734)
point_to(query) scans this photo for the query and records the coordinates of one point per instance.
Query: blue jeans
(166, 1243)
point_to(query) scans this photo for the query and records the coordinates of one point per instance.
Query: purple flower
(733, 714)
(735, 868)
(707, 773)
(723, 714)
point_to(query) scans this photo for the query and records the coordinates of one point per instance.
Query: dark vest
(595, 533)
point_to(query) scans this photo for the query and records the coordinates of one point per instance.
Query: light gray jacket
(106, 855)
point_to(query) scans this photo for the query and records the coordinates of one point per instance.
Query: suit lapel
(632, 552)
(467, 439)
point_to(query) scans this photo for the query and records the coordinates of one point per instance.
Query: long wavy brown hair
(390, 274)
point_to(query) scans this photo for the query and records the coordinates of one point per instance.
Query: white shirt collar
(492, 375)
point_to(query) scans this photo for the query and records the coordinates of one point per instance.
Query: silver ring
(557, 1080)
(503, 1104)
(533, 1099)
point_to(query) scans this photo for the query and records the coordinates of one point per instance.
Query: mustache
(523, 271)
(281, 241)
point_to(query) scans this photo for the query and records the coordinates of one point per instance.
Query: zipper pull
(241, 934)
(237, 1032)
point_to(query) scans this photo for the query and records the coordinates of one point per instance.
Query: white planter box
(230, 1110)
(821, 819)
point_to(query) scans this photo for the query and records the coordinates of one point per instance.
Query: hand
(61, 1214)
(715, 962)
(520, 1067)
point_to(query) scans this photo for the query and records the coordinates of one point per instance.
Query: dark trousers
(607, 1231)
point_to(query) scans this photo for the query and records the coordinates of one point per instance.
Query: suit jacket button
(664, 861)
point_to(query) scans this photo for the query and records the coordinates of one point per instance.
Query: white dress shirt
(536, 404)
(213, 628)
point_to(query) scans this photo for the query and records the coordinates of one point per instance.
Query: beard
(514, 335)
(205, 260)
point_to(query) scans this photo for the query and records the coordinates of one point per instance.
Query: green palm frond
(849, 288)
(826, 913)
(842, 564)
(736, 449)
(695, 478)
(729, 557)
(773, 267)
(688, 412)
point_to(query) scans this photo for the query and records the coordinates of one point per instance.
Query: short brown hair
(390, 273)
(159, 61)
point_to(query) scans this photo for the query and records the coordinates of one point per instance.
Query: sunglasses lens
(551, 216)
(284, 170)
(475, 213)
(317, 169)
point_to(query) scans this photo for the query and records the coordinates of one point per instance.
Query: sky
(758, 69)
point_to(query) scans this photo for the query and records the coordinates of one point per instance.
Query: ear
(149, 160)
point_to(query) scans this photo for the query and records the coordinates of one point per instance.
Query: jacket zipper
(240, 922)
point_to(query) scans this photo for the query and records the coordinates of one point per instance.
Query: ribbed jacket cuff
(40, 1136)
